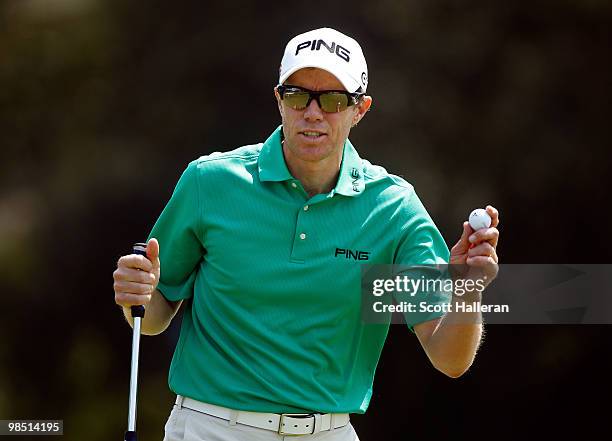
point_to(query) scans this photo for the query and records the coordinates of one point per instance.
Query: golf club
(138, 312)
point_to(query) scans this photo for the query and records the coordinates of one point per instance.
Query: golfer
(264, 245)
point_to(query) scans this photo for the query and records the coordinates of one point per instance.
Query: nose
(313, 112)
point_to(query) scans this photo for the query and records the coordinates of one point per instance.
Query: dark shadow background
(103, 103)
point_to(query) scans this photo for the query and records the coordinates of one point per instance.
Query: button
(305, 207)
(303, 236)
(294, 185)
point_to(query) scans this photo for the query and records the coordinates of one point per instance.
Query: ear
(278, 101)
(362, 109)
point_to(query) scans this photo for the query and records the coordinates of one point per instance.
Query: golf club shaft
(134, 375)
(138, 312)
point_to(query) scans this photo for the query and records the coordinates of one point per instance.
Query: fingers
(135, 261)
(491, 235)
(494, 215)
(128, 293)
(485, 264)
(480, 261)
(133, 287)
(125, 274)
(127, 299)
(483, 249)
(133, 283)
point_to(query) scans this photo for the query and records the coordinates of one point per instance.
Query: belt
(282, 423)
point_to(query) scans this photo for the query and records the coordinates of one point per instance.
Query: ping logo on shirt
(350, 254)
(315, 45)
(355, 176)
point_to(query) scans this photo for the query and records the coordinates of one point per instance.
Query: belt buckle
(303, 415)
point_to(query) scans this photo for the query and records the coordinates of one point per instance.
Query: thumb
(465, 234)
(153, 251)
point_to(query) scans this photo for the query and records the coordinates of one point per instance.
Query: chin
(313, 153)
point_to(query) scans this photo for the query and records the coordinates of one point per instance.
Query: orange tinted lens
(296, 100)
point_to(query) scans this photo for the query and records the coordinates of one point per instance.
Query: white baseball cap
(329, 50)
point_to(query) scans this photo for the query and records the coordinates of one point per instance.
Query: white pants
(189, 425)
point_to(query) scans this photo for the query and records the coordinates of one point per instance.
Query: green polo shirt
(272, 321)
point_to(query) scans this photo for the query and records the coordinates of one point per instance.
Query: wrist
(468, 296)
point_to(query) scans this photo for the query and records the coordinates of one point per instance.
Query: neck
(316, 176)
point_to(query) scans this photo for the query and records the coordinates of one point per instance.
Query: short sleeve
(179, 236)
(423, 254)
(420, 241)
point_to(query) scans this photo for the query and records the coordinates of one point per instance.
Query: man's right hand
(136, 277)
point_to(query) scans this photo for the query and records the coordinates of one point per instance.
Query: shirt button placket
(301, 239)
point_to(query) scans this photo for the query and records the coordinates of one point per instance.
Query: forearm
(453, 344)
(158, 315)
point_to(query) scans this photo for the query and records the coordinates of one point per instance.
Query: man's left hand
(477, 250)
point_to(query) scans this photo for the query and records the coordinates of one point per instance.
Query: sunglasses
(330, 101)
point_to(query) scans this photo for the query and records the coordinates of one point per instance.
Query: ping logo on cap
(315, 45)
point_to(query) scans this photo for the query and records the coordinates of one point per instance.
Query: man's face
(332, 129)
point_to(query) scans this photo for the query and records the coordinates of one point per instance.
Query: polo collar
(351, 181)
(271, 161)
(272, 166)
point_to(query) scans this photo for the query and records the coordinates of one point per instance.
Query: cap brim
(350, 84)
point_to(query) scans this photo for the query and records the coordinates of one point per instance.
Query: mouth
(312, 134)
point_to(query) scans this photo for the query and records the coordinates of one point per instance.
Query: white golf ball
(479, 218)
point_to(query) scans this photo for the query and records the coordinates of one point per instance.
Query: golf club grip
(139, 248)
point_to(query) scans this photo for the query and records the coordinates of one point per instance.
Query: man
(260, 243)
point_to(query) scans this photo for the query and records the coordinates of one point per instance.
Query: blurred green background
(103, 104)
